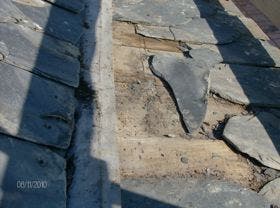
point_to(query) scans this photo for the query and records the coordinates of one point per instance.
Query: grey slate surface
(188, 192)
(189, 81)
(271, 191)
(250, 51)
(35, 109)
(75, 6)
(162, 12)
(256, 136)
(42, 55)
(53, 20)
(247, 85)
(210, 57)
(27, 162)
(196, 30)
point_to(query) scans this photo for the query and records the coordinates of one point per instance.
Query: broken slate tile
(32, 176)
(189, 80)
(75, 6)
(205, 31)
(256, 136)
(271, 191)
(210, 57)
(35, 109)
(53, 20)
(246, 84)
(208, 31)
(162, 13)
(170, 192)
(42, 55)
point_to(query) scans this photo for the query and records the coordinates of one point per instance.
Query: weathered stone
(162, 12)
(197, 30)
(188, 80)
(247, 85)
(40, 54)
(250, 51)
(70, 5)
(35, 109)
(211, 58)
(31, 176)
(187, 192)
(271, 191)
(52, 20)
(256, 136)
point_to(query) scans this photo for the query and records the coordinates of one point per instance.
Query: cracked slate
(187, 192)
(50, 19)
(202, 31)
(210, 57)
(246, 84)
(271, 191)
(40, 54)
(162, 13)
(71, 5)
(256, 136)
(27, 162)
(35, 109)
(189, 81)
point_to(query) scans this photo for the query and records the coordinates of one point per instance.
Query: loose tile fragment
(271, 191)
(35, 109)
(187, 192)
(52, 20)
(40, 54)
(189, 80)
(162, 13)
(247, 85)
(32, 176)
(256, 136)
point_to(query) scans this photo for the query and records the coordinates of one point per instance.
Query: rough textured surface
(188, 80)
(31, 176)
(206, 55)
(196, 30)
(271, 191)
(188, 192)
(247, 85)
(53, 20)
(161, 12)
(35, 109)
(256, 136)
(41, 55)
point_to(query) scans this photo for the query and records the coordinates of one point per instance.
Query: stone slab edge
(103, 161)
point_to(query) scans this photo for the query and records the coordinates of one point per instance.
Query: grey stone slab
(247, 85)
(210, 57)
(208, 31)
(52, 20)
(40, 54)
(35, 109)
(164, 13)
(189, 80)
(271, 191)
(256, 136)
(32, 176)
(198, 30)
(75, 6)
(250, 51)
(188, 193)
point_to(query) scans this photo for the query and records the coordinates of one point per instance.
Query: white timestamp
(32, 184)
